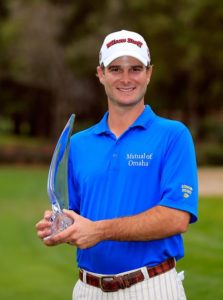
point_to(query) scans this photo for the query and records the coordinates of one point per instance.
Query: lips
(126, 90)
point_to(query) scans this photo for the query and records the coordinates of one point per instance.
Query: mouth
(126, 90)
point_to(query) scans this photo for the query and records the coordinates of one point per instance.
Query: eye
(114, 69)
(137, 69)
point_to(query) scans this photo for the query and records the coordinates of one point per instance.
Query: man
(132, 187)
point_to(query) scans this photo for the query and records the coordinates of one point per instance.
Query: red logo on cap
(137, 43)
(129, 40)
(114, 42)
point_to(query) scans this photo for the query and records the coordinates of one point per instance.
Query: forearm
(156, 223)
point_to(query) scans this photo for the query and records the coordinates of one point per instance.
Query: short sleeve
(179, 183)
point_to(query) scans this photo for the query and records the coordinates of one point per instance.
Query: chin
(129, 103)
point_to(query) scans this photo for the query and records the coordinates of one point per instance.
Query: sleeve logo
(186, 190)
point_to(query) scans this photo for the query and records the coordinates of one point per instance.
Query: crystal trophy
(57, 184)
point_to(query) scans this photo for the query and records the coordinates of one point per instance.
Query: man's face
(125, 81)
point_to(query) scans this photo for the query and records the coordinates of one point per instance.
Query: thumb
(70, 213)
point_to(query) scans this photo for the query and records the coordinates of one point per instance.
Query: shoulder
(80, 142)
(172, 132)
(83, 134)
(170, 127)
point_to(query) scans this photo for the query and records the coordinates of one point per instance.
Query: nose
(125, 77)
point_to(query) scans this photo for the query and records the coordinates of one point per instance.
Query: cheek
(146, 81)
(109, 90)
(109, 84)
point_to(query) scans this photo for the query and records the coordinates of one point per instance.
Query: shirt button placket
(115, 158)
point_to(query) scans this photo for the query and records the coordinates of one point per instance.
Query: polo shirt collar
(143, 121)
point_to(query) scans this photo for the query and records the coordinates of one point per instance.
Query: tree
(57, 45)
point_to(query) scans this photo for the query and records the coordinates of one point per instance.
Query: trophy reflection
(57, 184)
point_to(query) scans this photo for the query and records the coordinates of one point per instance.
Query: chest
(133, 155)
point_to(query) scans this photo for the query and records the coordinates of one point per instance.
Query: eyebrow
(113, 66)
(119, 66)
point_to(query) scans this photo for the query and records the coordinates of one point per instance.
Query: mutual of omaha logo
(139, 159)
(186, 190)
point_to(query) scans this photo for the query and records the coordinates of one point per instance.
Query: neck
(120, 118)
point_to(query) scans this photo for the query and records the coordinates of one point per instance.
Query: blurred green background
(48, 58)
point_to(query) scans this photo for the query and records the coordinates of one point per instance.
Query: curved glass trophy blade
(57, 186)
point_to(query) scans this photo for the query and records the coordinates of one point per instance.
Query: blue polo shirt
(152, 163)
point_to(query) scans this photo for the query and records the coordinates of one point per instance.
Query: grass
(30, 270)
(203, 262)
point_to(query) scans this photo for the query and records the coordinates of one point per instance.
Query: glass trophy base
(59, 223)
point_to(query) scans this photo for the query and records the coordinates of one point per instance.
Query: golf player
(132, 187)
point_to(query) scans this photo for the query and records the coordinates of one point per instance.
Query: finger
(44, 233)
(62, 237)
(41, 225)
(47, 215)
(48, 241)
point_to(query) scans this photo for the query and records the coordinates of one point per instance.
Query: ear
(100, 74)
(149, 73)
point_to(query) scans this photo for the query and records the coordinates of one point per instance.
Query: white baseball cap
(124, 43)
